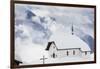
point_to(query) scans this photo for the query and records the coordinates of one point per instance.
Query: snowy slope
(67, 40)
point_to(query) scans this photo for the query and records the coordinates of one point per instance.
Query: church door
(53, 55)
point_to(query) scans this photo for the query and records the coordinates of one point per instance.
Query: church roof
(49, 44)
(64, 41)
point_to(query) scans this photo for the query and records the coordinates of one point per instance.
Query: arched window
(53, 55)
(85, 52)
(67, 53)
(73, 52)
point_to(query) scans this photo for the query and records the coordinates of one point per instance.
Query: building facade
(54, 52)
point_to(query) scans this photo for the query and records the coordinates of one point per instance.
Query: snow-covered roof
(67, 40)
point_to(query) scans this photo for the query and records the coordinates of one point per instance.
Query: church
(67, 45)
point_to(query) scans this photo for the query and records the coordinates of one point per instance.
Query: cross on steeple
(43, 59)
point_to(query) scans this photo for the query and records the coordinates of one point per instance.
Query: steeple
(72, 29)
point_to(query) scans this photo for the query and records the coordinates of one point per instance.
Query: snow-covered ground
(34, 26)
(60, 60)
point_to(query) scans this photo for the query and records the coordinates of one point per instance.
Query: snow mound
(65, 40)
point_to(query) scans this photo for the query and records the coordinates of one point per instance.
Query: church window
(67, 53)
(73, 52)
(53, 55)
(85, 52)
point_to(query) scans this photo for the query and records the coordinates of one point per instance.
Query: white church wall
(52, 50)
(77, 52)
(63, 53)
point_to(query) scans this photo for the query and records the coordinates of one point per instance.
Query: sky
(65, 16)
